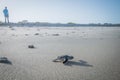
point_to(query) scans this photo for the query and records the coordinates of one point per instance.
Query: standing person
(6, 15)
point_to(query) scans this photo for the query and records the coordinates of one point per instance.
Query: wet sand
(96, 52)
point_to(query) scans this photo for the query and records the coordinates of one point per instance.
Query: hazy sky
(78, 11)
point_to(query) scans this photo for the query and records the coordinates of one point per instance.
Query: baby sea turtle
(3, 59)
(31, 46)
(63, 58)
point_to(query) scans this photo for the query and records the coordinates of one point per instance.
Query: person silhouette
(6, 15)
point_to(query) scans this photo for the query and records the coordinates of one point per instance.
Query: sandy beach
(96, 52)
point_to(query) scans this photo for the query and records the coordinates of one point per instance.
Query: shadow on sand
(6, 62)
(78, 63)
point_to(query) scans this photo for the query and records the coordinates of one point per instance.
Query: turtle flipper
(65, 60)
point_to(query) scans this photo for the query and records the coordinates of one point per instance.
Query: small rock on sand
(36, 33)
(55, 34)
(26, 34)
